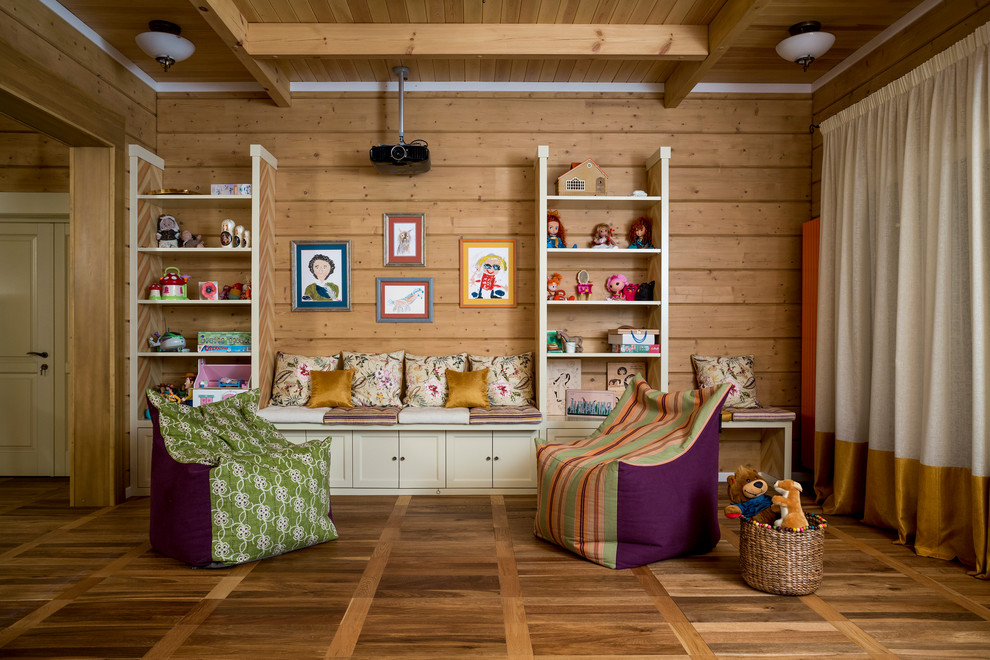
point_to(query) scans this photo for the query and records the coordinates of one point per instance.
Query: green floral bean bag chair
(227, 487)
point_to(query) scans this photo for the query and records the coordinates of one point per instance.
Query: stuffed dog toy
(789, 500)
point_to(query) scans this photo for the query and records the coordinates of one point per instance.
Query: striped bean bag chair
(643, 487)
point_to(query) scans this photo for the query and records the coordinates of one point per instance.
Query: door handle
(42, 354)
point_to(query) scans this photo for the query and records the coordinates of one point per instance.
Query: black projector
(401, 158)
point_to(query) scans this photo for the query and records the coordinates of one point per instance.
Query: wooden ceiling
(277, 42)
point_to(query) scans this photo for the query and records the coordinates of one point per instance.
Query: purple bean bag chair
(643, 487)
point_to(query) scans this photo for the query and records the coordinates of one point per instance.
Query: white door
(513, 459)
(28, 354)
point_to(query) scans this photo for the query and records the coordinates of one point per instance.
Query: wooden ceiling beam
(732, 20)
(441, 41)
(231, 26)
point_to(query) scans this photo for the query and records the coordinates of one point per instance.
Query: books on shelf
(635, 348)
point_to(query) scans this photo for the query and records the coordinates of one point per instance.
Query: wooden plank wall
(944, 25)
(30, 161)
(740, 184)
(69, 86)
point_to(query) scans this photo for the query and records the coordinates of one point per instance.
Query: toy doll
(641, 233)
(168, 232)
(191, 241)
(554, 292)
(614, 286)
(556, 238)
(602, 236)
(227, 233)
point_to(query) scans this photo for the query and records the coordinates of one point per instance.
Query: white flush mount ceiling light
(806, 43)
(163, 43)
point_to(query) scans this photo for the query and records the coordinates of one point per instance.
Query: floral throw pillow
(292, 386)
(737, 372)
(510, 378)
(377, 377)
(426, 380)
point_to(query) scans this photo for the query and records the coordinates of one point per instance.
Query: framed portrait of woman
(321, 276)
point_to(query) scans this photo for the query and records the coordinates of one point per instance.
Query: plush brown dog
(789, 500)
(749, 497)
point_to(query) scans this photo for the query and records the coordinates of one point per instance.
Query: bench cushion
(506, 415)
(767, 414)
(430, 415)
(382, 415)
(292, 414)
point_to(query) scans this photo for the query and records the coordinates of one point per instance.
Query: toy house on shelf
(584, 178)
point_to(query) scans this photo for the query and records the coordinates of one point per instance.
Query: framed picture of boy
(404, 239)
(321, 276)
(488, 273)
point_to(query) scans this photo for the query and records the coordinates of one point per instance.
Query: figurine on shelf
(583, 285)
(190, 241)
(629, 291)
(641, 233)
(238, 236)
(614, 286)
(235, 292)
(554, 292)
(246, 239)
(168, 232)
(227, 233)
(602, 237)
(246, 292)
(556, 237)
(225, 292)
(645, 290)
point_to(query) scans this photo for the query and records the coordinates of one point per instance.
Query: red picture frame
(404, 239)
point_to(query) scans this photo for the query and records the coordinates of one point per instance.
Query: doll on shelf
(641, 233)
(556, 237)
(602, 237)
(614, 286)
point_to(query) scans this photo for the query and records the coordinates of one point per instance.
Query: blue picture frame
(404, 299)
(321, 276)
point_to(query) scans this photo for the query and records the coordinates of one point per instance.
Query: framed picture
(321, 276)
(404, 239)
(488, 273)
(404, 299)
(618, 374)
(562, 375)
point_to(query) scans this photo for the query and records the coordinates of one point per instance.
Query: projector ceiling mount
(404, 157)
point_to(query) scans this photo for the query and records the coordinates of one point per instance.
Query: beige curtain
(903, 377)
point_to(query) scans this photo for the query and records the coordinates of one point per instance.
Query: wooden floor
(438, 577)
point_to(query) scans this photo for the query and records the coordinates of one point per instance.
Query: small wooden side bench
(776, 425)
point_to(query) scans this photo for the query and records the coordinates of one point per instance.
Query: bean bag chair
(227, 487)
(643, 487)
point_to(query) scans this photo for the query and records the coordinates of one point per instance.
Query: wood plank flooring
(453, 577)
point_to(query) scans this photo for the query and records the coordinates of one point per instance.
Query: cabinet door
(469, 459)
(376, 459)
(340, 460)
(422, 459)
(569, 434)
(513, 459)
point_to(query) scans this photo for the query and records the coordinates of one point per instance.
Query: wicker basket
(786, 562)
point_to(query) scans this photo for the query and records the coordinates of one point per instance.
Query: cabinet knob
(395, 458)
(488, 458)
(496, 458)
(402, 458)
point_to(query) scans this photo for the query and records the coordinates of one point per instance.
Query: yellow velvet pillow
(331, 389)
(467, 389)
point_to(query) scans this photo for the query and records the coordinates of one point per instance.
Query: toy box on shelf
(223, 342)
(634, 340)
(216, 382)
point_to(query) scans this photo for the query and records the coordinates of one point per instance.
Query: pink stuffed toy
(614, 286)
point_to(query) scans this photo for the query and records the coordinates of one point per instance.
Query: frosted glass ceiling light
(806, 42)
(164, 43)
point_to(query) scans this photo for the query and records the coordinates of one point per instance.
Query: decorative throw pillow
(468, 389)
(332, 389)
(510, 378)
(291, 385)
(377, 377)
(426, 379)
(736, 371)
